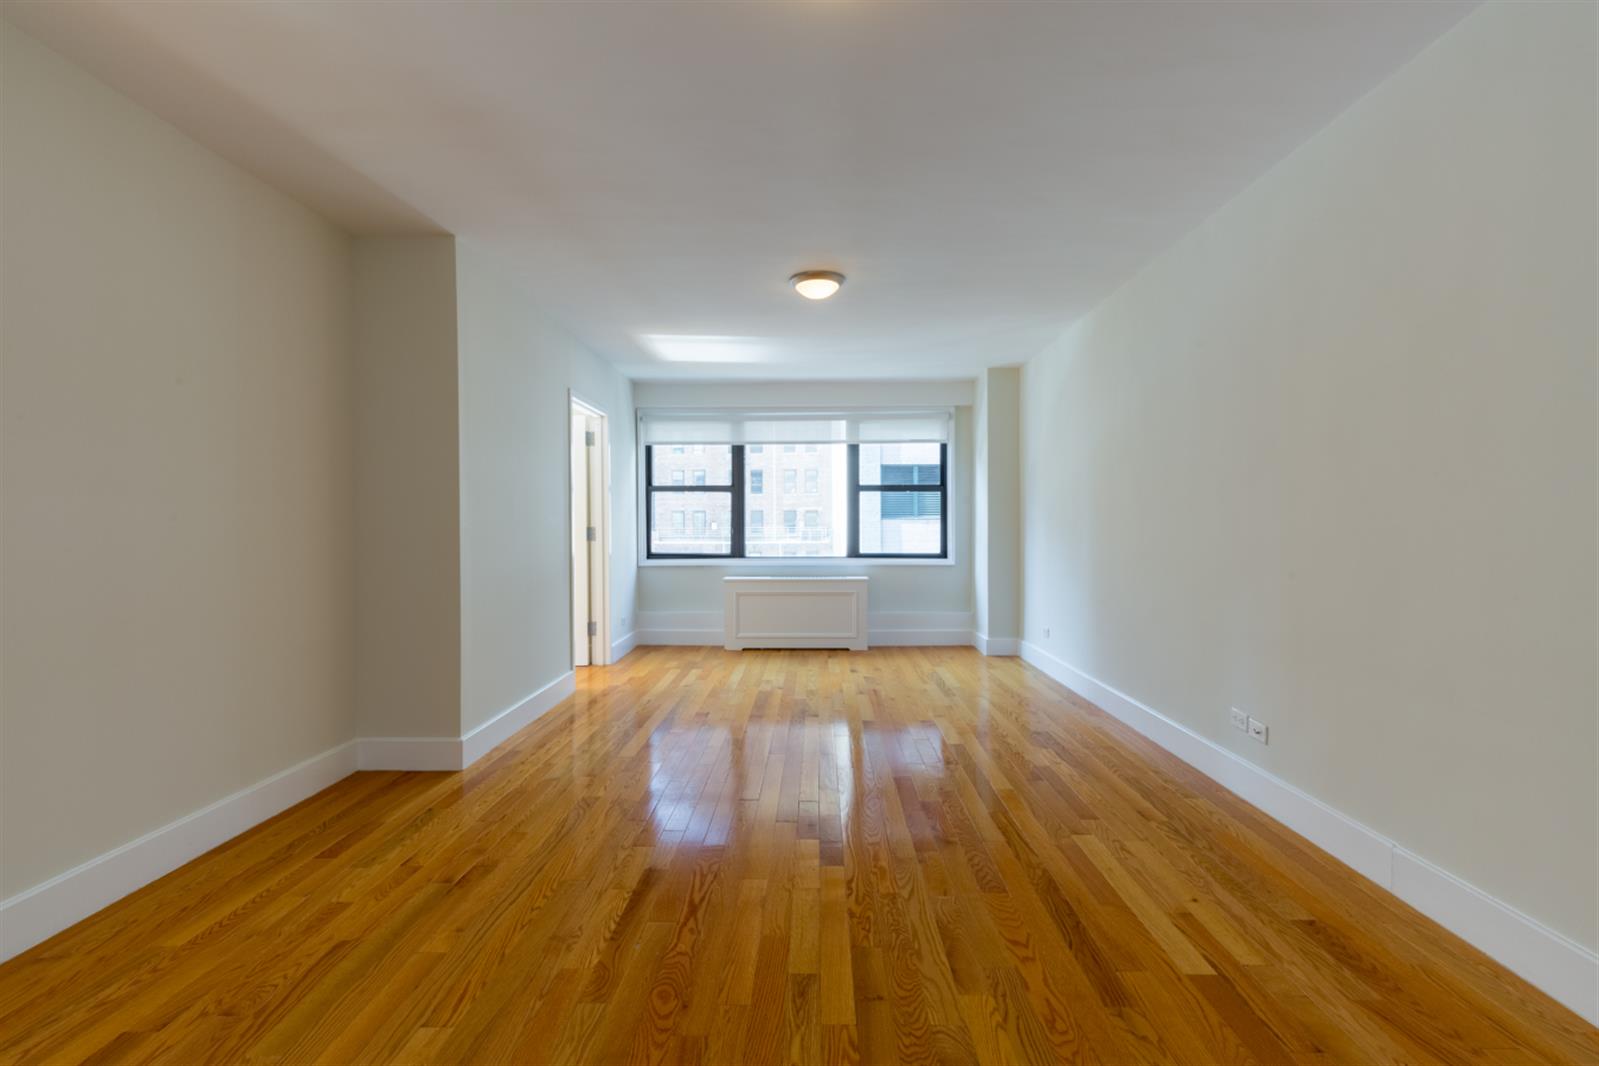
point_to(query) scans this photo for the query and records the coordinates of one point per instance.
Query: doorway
(590, 465)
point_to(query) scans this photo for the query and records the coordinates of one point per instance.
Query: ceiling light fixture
(817, 284)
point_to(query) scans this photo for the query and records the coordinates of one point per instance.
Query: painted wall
(515, 371)
(996, 520)
(1331, 460)
(407, 588)
(176, 443)
(680, 597)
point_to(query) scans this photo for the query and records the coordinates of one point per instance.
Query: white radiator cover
(794, 612)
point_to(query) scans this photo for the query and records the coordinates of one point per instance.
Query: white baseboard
(47, 908)
(996, 645)
(883, 628)
(1555, 963)
(686, 628)
(620, 648)
(1564, 969)
(497, 730)
(457, 753)
(708, 638)
(919, 629)
(51, 906)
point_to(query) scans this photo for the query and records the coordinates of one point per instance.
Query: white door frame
(600, 509)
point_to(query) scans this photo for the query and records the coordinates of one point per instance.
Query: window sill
(790, 562)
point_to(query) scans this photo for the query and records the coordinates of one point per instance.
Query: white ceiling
(984, 172)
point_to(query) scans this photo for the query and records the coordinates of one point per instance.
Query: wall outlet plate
(1257, 730)
(1239, 719)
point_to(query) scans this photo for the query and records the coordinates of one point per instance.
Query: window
(877, 500)
(829, 486)
(900, 494)
(693, 519)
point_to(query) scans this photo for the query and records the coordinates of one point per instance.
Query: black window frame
(856, 488)
(739, 515)
(735, 491)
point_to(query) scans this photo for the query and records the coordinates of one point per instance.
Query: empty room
(803, 531)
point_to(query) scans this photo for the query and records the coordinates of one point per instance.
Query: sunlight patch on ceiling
(709, 348)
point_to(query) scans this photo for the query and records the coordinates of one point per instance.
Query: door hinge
(594, 629)
(588, 437)
(592, 535)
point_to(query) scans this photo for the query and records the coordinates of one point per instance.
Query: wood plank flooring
(905, 855)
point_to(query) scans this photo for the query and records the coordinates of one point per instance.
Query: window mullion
(853, 507)
(736, 548)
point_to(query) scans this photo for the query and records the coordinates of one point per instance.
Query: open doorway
(591, 534)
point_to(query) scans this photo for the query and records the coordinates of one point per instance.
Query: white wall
(681, 597)
(1332, 460)
(516, 368)
(176, 425)
(997, 540)
(408, 573)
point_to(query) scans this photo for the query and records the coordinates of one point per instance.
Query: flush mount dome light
(817, 284)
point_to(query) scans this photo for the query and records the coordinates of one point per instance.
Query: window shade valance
(903, 426)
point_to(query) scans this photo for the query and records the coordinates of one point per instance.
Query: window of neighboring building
(870, 500)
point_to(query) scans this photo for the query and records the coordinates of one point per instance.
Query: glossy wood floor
(915, 855)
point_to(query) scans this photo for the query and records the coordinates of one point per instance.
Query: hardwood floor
(908, 854)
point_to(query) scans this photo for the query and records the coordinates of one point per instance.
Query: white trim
(919, 638)
(600, 606)
(497, 730)
(1564, 969)
(679, 628)
(40, 912)
(457, 753)
(1555, 963)
(919, 629)
(624, 645)
(996, 645)
(887, 629)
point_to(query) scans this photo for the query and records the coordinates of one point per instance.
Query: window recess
(784, 484)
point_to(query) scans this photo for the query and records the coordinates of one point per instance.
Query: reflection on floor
(908, 854)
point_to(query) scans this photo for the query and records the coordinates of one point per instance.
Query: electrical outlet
(1257, 730)
(1239, 719)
